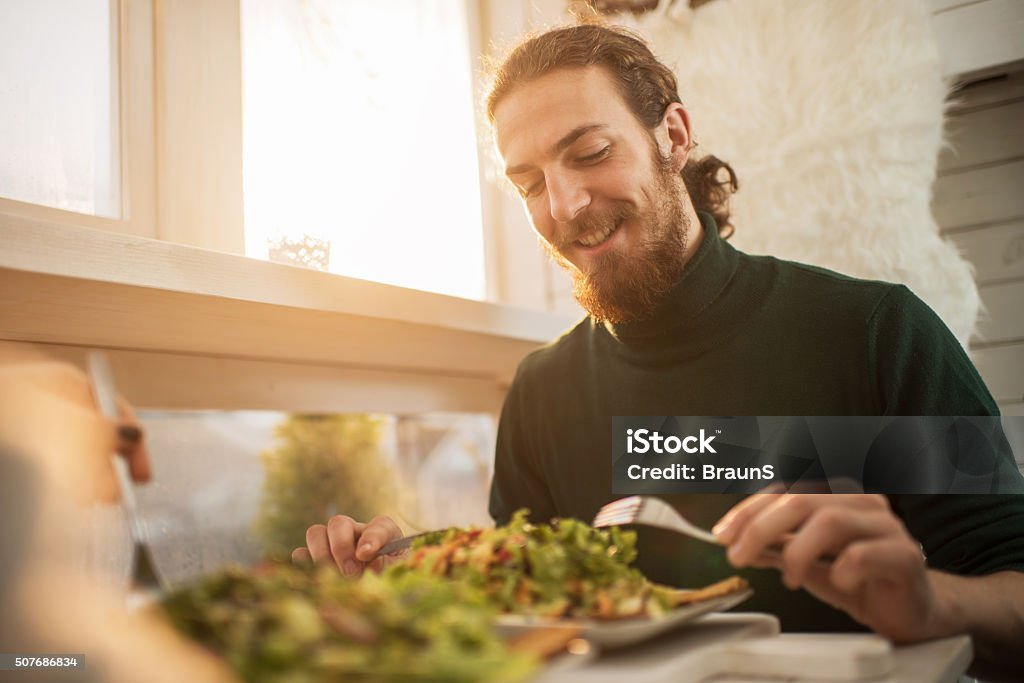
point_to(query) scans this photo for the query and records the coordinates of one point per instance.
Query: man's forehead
(563, 103)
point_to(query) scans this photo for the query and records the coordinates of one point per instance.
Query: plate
(614, 633)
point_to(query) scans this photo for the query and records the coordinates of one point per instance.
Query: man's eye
(596, 156)
(531, 190)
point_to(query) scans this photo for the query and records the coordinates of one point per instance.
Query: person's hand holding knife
(48, 413)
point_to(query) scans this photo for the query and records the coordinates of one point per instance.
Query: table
(698, 653)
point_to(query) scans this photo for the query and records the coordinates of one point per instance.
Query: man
(594, 137)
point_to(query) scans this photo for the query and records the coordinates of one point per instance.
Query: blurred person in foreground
(55, 459)
(595, 139)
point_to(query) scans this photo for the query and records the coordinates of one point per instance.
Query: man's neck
(696, 232)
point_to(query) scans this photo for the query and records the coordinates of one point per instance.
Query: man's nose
(568, 197)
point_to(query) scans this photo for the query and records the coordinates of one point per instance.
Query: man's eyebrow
(573, 135)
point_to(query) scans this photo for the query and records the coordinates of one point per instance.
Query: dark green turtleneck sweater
(747, 335)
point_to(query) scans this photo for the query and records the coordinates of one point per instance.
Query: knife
(144, 577)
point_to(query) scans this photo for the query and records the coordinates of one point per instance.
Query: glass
(360, 152)
(231, 487)
(59, 124)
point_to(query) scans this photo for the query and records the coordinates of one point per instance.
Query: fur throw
(831, 114)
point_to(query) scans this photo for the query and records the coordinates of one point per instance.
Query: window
(59, 124)
(360, 151)
(231, 486)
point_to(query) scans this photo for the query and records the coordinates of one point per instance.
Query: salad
(427, 618)
(285, 624)
(563, 569)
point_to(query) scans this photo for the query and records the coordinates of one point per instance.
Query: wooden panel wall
(978, 37)
(979, 203)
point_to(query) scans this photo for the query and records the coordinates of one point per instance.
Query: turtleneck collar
(703, 278)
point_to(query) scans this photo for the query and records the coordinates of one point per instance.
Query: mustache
(593, 222)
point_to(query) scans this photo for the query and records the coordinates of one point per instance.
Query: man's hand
(350, 545)
(878, 574)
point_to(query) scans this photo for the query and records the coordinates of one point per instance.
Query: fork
(655, 512)
(400, 544)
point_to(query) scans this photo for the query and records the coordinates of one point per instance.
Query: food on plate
(428, 618)
(734, 584)
(563, 569)
(280, 623)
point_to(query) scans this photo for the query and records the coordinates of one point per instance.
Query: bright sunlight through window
(359, 142)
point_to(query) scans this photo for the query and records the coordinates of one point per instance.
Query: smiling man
(602, 195)
(593, 135)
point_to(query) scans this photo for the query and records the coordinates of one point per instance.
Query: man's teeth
(595, 238)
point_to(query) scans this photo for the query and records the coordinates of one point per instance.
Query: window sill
(161, 304)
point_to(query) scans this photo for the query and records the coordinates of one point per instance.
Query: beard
(626, 287)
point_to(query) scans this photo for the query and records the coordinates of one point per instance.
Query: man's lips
(596, 237)
(583, 255)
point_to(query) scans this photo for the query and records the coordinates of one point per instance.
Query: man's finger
(818, 582)
(319, 547)
(380, 530)
(301, 556)
(784, 515)
(827, 532)
(769, 527)
(874, 581)
(735, 520)
(897, 559)
(342, 535)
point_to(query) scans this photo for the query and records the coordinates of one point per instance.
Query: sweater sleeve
(966, 534)
(517, 481)
(921, 369)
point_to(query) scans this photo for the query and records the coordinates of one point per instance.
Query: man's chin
(626, 291)
(610, 302)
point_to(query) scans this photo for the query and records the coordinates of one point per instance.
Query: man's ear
(676, 126)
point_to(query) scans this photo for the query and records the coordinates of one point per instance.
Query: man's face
(606, 203)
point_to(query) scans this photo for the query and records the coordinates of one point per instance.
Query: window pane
(58, 105)
(359, 142)
(230, 487)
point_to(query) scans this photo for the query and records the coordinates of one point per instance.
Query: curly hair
(647, 86)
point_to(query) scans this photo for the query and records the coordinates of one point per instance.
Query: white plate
(612, 633)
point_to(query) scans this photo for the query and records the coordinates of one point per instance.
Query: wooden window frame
(190, 323)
